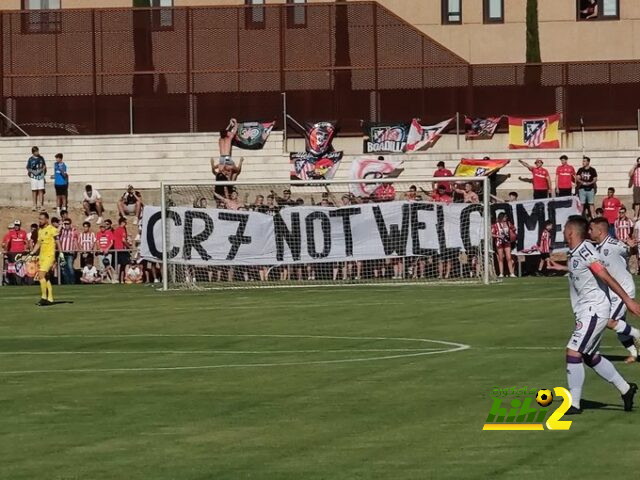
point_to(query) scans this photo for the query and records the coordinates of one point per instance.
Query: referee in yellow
(47, 243)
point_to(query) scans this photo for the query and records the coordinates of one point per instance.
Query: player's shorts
(588, 332)
(45, 263)
(587, 196)
(37, 184)
(62, 190)
(618, 308)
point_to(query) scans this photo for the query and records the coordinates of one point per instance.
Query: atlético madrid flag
(540, 132)
(468, 167)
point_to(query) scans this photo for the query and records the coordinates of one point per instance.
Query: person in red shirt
(104, 243)
(565, 178)
(15, 241)
(611, 206)
(121, 246)
(541, 180)
(441, 171)
(440, 195)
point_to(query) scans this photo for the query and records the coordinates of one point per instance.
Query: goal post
(312, 233)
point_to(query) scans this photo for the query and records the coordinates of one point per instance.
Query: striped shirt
(68, 239)
(636, 177)
(623, 228)
(545, 242)
(87, 241)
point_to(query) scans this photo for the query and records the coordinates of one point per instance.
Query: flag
(385, 138)
(306, 166)
(318, 137)
(541, 132)
(252, 135)
(371, 168)
(423, 137)
(480, 128)
(478, 168)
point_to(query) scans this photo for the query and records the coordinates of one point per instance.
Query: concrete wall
(109, 163)
(562, 38)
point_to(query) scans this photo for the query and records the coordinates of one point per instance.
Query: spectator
(225, 142)
(32, 236)
(121, 245)
(259, 206)
(86, 243)
(540, 179)
(586, 182)
(285, 200)
(513, 197)
(544, 247)
(611, 206)
(565, 178)
(13, 243)
(69, 243)
(92, 203)
(412, 194)
(61, 183)
(36, 170)
(623, 225)
(89, 272)
(104, 243)
(108, 274)
(131, 204)
(231, 203)
(200, 203)
(441, 171)
(221, 174)
(634, 181)
(468, 194)
(588, 9)
(133, 273)
(599, 213)
(272, 206)
(440, 195)
(504, 234)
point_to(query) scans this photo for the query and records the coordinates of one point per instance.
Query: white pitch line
(454, 347)
(206, 352)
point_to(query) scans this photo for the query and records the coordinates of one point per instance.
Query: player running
(590, 283)
(46, 245)
(614, 254)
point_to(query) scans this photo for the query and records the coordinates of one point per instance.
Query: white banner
(326, 234)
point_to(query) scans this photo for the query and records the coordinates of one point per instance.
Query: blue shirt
(35, 166)
(58, 170)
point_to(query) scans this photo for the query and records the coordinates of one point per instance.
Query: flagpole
(582, 129)
(284, 120)
(457, 130)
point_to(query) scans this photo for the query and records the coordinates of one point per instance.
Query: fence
(188, 69)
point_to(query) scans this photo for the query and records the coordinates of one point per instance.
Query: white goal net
(241, 234)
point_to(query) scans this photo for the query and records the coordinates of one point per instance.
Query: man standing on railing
(36, 170)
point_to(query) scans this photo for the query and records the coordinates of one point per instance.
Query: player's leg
(627, 334)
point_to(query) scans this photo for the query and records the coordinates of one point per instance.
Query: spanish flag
(469, 167)
(541, 132)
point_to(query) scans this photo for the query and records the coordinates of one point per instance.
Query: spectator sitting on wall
(131, 204)
(133, 272)
(61, 183)
(92, 204)
(540, 179)
(36, 170)
(89, 272)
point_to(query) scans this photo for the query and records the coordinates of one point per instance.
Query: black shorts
(93, 207)
(62, 190)
(540, 194)
(123, 258)
(544, 256)
(565, 192)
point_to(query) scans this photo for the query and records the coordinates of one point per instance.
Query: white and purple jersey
(614, 255)
(589, 295)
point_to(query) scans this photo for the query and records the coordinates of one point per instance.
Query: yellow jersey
(47, 238)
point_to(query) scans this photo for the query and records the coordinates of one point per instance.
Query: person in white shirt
(590, 285)
(614, 255)
(89, 273)
(133, 273)
(92, 204)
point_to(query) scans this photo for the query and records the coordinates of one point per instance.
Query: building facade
(479, 31)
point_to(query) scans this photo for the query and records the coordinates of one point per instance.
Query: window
(297, 15)
(598, 10)
(42, 19)
(254, 16)
(162, 19)
(451, 11)
(493, 11)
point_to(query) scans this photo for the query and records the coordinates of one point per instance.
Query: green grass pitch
(130, 383)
